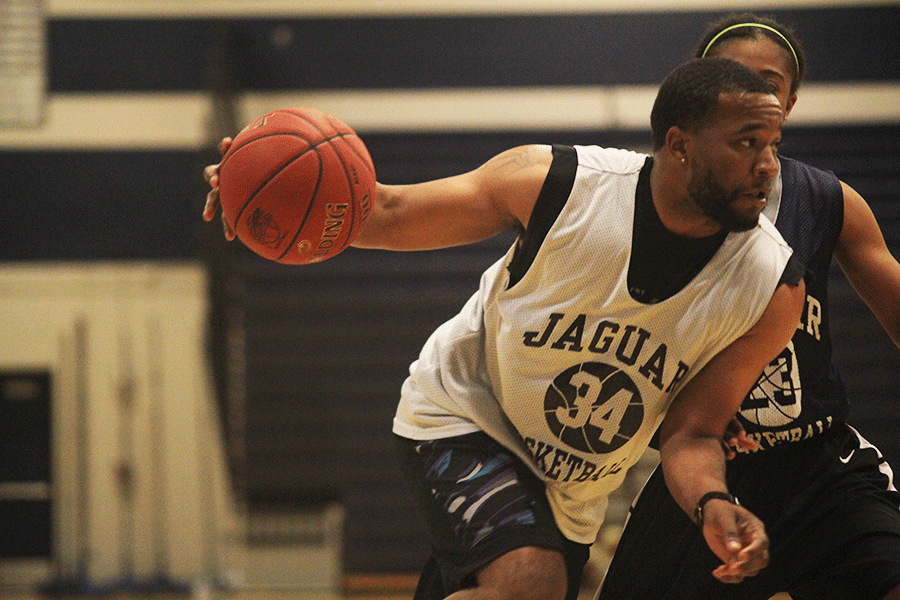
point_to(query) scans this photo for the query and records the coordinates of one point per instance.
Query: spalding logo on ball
(296, 185)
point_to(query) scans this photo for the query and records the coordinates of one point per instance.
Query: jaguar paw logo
(594, 407)
(264, 229)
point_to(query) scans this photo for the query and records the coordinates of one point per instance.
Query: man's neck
(677, 211)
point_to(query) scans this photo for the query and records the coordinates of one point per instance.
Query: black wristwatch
(698, 510)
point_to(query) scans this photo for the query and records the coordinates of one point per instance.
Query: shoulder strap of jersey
(550, 202)
(793, 272)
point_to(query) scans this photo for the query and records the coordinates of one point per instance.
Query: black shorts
(830, 510)
(478, 502)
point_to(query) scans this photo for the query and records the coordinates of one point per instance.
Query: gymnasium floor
(265, 596)
(287, 595)
(400, 594)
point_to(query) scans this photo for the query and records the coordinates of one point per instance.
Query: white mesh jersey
(564, 367)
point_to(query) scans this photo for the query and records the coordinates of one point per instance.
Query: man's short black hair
(690, 95)
(725, 29)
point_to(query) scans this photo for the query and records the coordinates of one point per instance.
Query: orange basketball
(296, 185)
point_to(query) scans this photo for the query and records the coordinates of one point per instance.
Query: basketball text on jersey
(770, 439)
(561, 465)
(811, 318)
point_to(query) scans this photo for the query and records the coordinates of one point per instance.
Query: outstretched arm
(691, 435)
(466, 208)
(868, 263)
(498, 195)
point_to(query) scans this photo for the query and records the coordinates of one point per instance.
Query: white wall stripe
(116, 121)
(369, 8)
(181, 121)
(564, 108)
(848, 103)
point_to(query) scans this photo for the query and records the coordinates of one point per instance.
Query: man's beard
(718, 205)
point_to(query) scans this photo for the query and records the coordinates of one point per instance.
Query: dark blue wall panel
(426, 52)
(63, 205)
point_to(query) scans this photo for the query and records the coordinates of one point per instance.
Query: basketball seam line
(314, 146)
(353, 215)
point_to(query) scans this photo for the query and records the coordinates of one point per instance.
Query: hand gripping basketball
(296, 185)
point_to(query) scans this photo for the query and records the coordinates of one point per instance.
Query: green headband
(761, 26)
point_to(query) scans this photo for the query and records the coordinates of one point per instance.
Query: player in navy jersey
(826, 496)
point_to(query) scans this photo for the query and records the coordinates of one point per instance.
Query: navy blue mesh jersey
(801, 394)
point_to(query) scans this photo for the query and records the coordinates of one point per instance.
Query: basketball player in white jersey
(643, 292)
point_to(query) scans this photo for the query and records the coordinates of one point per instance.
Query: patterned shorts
(478, 502)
